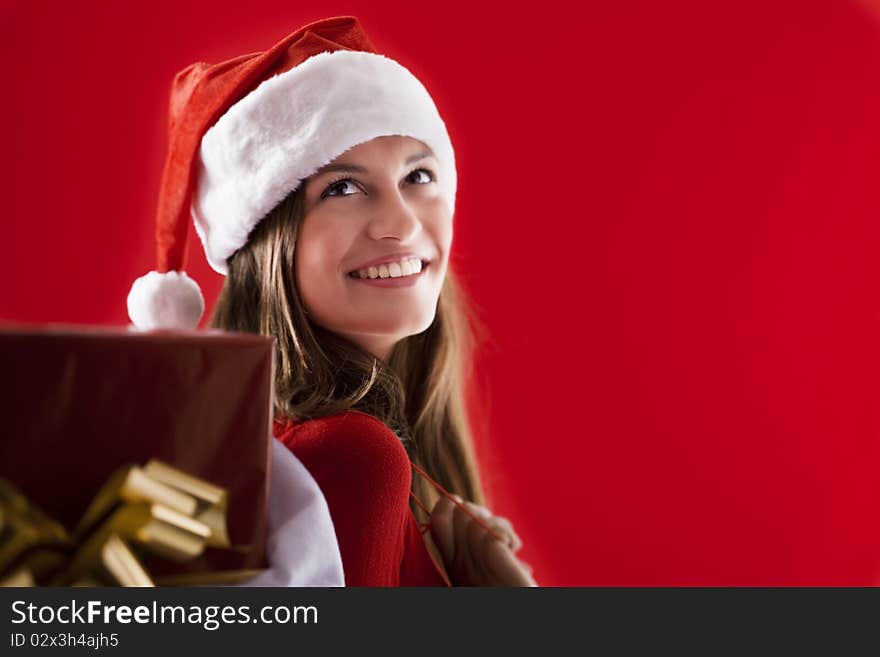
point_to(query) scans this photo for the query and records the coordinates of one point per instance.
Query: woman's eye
(338, 185)
(428, 176)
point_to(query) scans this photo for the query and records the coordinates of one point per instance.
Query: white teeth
(407, 267)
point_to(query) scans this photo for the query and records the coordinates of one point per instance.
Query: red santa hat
(246, 132)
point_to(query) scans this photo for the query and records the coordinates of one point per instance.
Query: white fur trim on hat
(165, 301)
(296, 122)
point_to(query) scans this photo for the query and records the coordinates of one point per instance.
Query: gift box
(79, 403)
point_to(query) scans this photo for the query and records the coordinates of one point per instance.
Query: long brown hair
(419, 393)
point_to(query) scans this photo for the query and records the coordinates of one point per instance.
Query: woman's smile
(392, 275)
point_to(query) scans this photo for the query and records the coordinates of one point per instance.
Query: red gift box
(79, 402)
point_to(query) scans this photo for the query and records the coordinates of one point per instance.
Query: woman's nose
(394, 218)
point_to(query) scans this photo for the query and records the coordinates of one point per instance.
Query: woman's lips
(392, 257)
(400, 281)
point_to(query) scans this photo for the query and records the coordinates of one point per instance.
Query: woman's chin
(386, 332)
(397, 332)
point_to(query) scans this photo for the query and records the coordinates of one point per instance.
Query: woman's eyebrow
(356, 168)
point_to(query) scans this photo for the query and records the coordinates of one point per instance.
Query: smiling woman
(326, 196)
(390, 220)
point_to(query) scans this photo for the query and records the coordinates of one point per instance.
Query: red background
(667, 214)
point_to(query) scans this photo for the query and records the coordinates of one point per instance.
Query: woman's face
(373, 248)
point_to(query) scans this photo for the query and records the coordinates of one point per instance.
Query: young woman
(322, 183)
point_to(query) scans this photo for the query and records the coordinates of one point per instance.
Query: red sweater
(365, 474)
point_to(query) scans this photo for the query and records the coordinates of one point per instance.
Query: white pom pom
(170, 300)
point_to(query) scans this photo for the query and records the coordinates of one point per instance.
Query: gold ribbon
(155, 509)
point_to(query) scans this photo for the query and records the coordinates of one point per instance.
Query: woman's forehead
(392, 147)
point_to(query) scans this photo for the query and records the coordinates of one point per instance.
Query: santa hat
(246, 132)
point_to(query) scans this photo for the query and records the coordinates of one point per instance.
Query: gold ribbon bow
(155, 509)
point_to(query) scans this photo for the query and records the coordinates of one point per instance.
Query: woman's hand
(471, 554)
